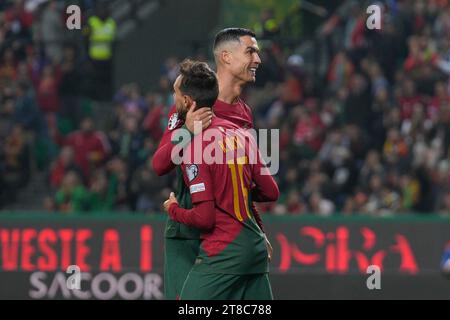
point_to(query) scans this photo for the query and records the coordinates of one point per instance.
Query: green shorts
(179, 258)
(217, 286)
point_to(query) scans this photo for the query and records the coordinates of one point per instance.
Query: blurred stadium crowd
(364, 124)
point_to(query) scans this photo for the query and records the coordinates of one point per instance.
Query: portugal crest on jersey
(173, 121)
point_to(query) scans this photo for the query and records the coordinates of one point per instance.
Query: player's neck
(230, 88)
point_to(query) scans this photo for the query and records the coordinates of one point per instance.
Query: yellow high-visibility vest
(102, 36)
(271, 25)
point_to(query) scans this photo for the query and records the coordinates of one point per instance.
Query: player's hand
(203, 115)
(169, 202)
(269, 248)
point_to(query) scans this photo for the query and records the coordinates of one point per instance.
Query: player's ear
(188, 103)
(226, 56)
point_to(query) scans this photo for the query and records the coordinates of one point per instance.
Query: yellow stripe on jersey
(244, 189)
(237, 209)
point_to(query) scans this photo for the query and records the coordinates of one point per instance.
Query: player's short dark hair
(199, 82)
(231, 34)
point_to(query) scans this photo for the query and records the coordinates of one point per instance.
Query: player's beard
(182, 114)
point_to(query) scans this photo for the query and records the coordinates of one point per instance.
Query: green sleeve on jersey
(173, 228)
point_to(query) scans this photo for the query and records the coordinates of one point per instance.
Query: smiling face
(240, 58)
(245, 59)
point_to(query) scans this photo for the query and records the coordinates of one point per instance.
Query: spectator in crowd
(72, 196)
(48, 90)
(102, 193)
(101, 35)
(70, 87)
(62, 165)
(90, 146)
(7, 68)
(51, 33)
(16, 171)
